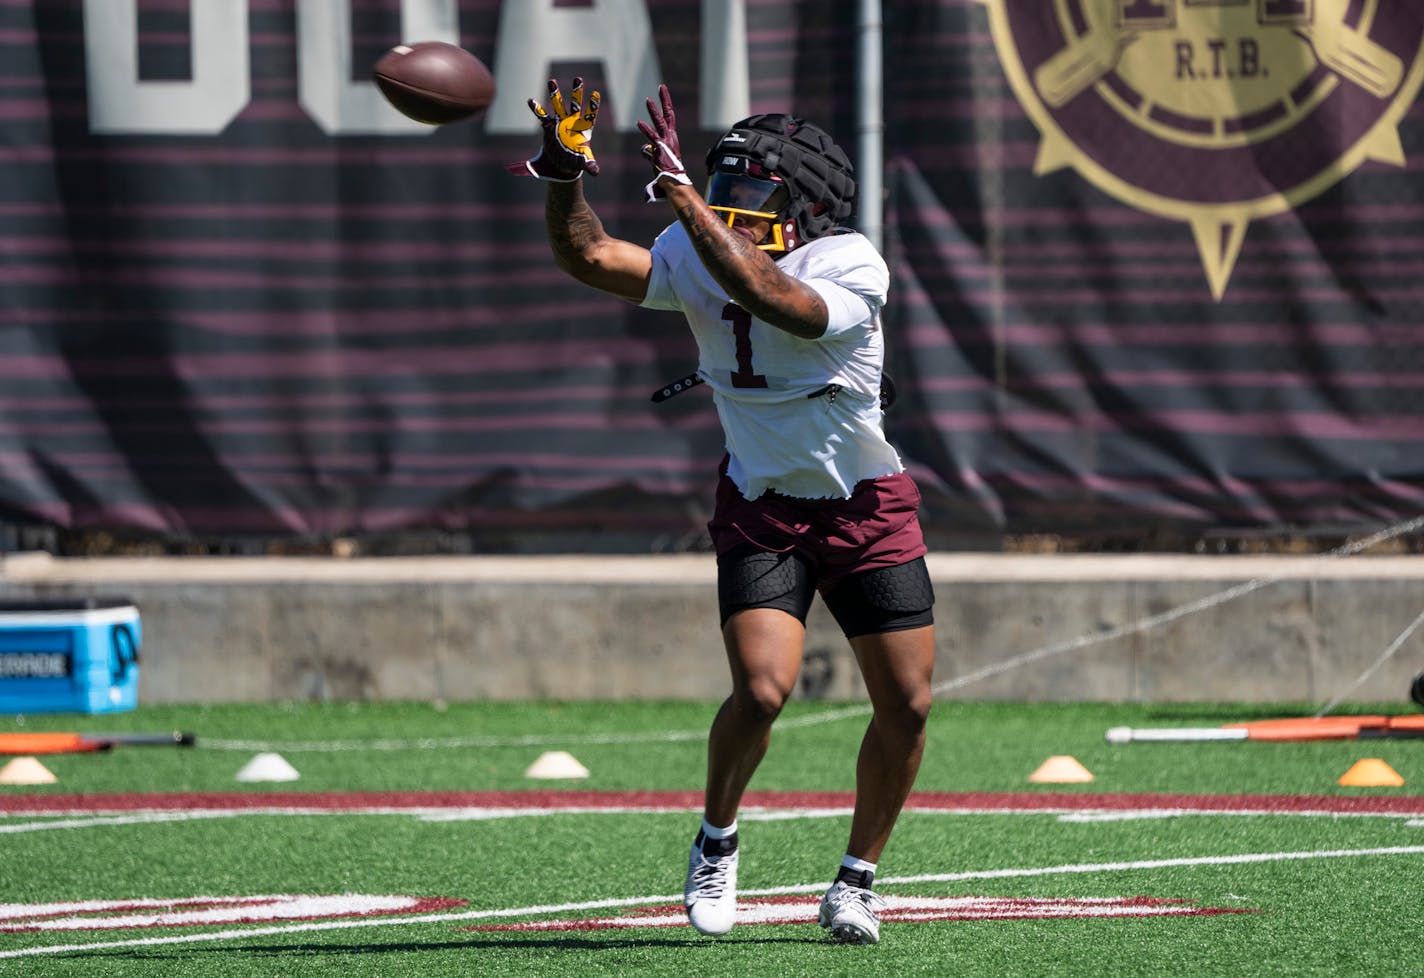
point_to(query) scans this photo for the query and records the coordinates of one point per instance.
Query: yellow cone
(26, 770)
(1371, 772)
(1061, 769)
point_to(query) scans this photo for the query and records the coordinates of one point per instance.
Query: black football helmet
(781, 168)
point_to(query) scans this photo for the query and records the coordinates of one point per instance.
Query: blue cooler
(69, 656)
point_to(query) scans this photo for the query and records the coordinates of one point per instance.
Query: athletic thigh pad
(884, 599)
(749, 577)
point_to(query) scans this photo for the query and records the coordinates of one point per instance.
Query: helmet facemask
(760, 197)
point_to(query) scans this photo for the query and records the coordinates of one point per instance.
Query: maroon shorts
(878, 526)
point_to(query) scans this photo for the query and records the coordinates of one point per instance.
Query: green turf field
(999, 875)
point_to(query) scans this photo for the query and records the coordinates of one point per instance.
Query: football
(434, 82)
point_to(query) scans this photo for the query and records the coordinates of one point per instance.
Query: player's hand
(662, 149)
(566, 154)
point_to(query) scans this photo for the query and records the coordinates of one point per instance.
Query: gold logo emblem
(1212, 112)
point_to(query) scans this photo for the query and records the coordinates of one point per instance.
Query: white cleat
(710, 895)
(849, 912)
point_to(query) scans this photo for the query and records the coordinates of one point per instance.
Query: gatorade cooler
(69, 656)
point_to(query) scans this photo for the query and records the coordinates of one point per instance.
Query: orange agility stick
(47, 743)
(1310, 728)
(1290, 729)
(79, 743)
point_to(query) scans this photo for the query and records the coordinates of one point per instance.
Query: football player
(784, 304)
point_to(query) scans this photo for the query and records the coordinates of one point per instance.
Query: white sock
(859, 865)
(713, 832)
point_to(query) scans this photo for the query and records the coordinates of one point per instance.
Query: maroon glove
(566, 154)
(662, 149)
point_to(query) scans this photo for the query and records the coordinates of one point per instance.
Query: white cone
(556, 764)
(268, 767)
(26, 770)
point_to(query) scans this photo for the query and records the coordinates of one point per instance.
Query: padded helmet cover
(818, 172)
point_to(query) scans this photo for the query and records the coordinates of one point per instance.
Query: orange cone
(1371, 772)
(1061, 769)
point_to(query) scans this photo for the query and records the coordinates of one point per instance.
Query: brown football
(434, 82)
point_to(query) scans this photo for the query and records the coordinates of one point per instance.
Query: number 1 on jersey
(741, 322)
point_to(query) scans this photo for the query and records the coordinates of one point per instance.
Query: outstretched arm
(587, 252)
(751, 277)
(581, 246)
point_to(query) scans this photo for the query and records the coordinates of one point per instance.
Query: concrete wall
(1119, 628)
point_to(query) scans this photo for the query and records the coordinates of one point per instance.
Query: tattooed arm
(583, 249)
(752, 279)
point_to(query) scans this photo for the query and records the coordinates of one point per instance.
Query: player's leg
(764, 598)
(764, 649)
(897, 667)
(887, 614)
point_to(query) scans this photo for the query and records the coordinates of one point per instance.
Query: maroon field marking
(969, 802)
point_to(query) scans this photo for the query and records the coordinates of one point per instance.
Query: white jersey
(778, 436)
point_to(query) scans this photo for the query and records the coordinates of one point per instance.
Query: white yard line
(70, 819)
(450, 918)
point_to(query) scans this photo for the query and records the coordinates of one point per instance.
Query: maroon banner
(1156, 265)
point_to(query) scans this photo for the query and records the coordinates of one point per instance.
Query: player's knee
(907, 715)
(760, 701)
(918, 707)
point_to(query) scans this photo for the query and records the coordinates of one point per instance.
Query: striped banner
(276, 330)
